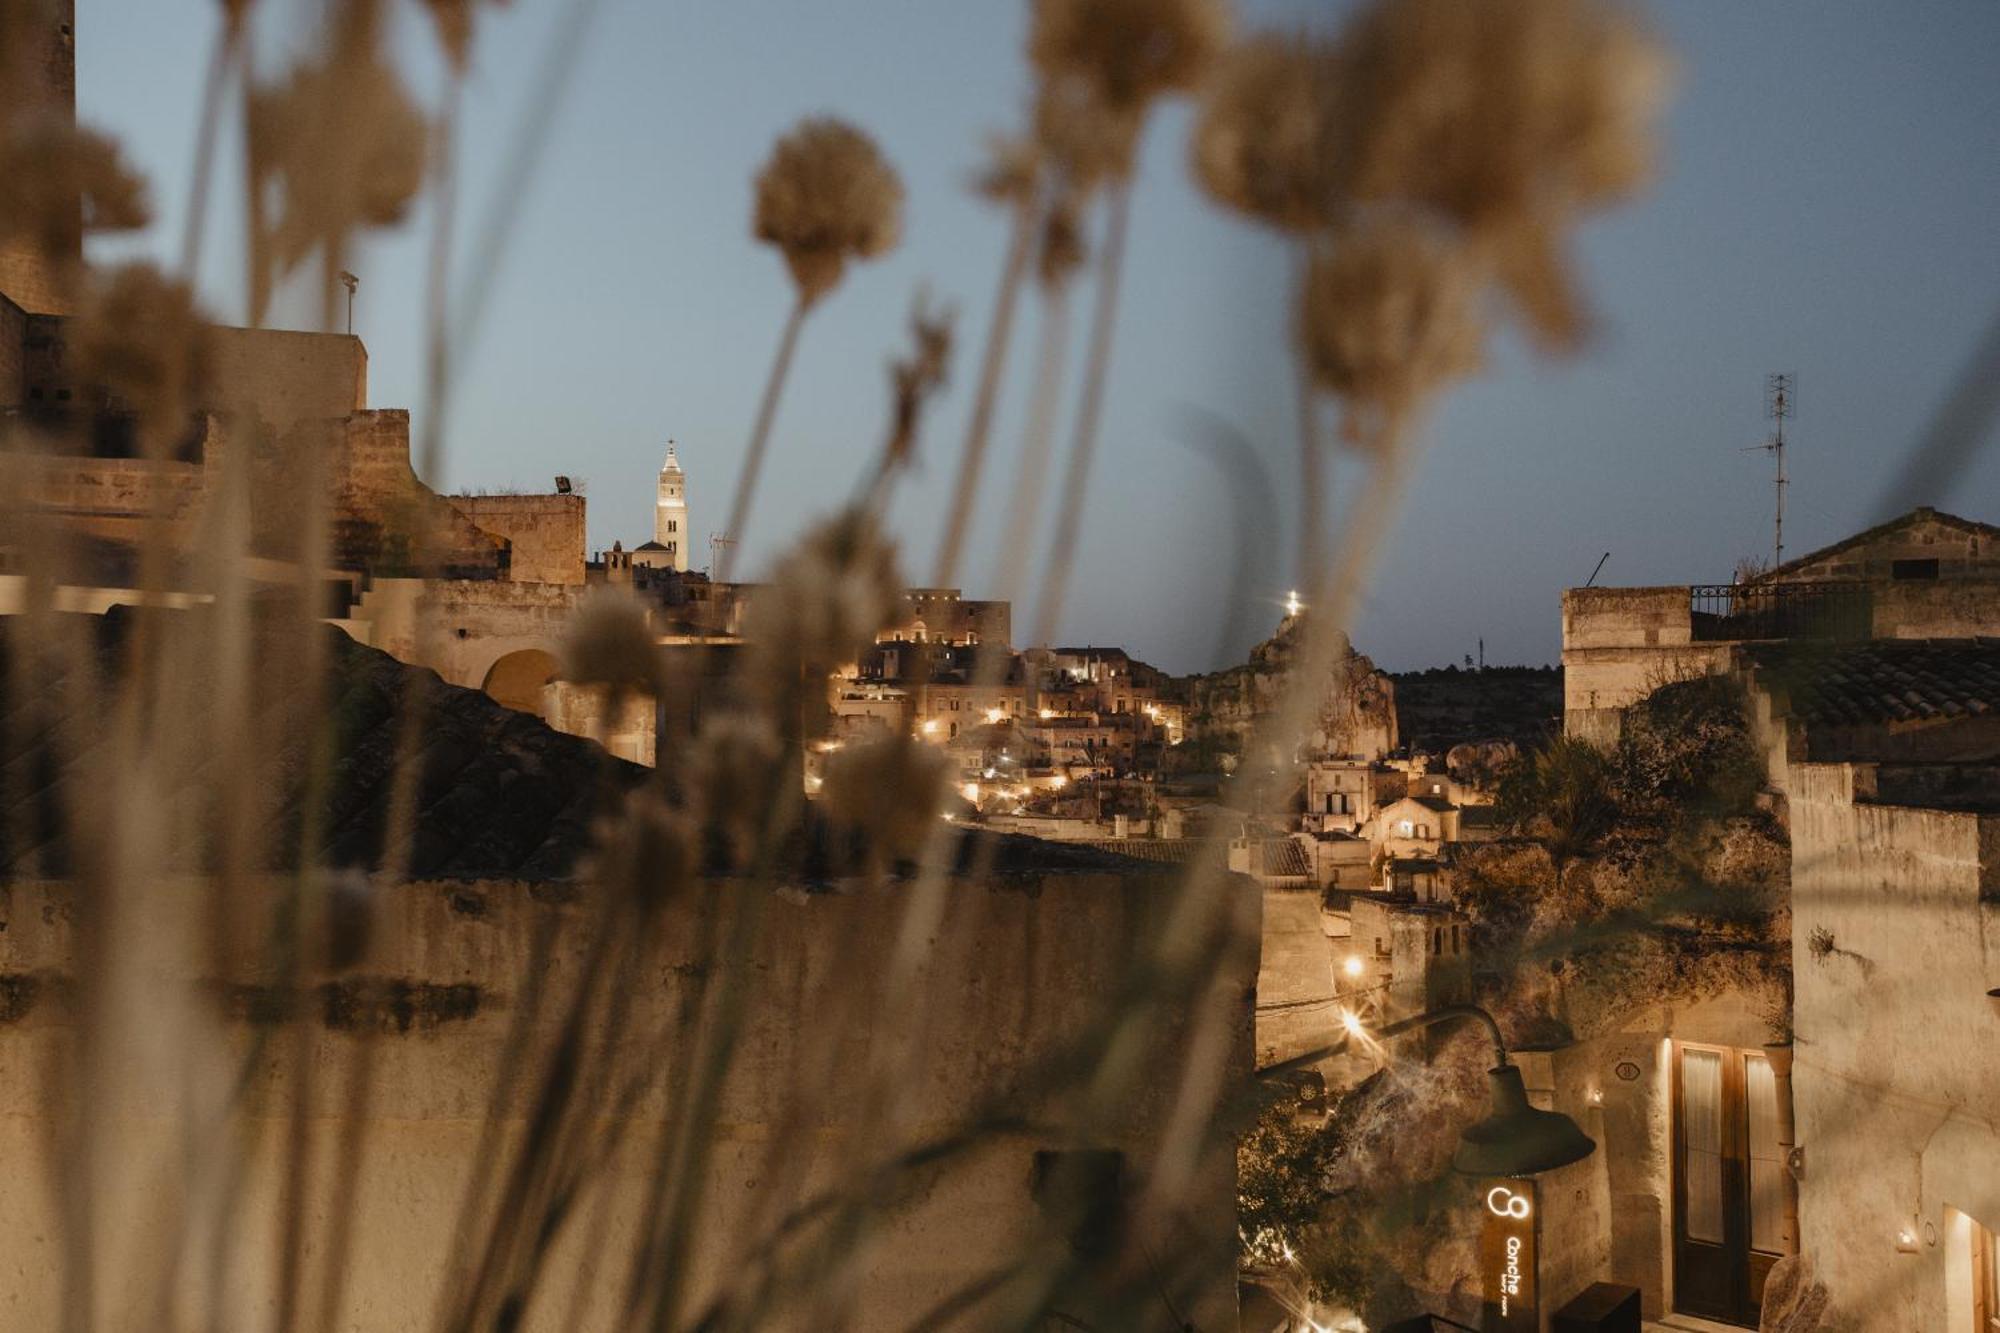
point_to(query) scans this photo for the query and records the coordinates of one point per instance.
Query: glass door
(1729, 1194)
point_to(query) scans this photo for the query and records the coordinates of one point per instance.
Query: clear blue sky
(1830, 205)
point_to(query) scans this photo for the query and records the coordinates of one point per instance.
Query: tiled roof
(1883, 681)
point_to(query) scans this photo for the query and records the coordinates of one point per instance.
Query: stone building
(671, 534)
(1924, 575)
(1896, 962)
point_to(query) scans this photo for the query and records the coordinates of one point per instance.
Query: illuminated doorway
(1729, 1196)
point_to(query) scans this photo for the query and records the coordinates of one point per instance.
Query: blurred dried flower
(234, 12)
(349, 907)
(1388, 315)
(827, 195)
(1012, 172)
(57, 181)
(1507, 118)
(609, 642)
(892, 789)
(915, 378)
(140, 338)
(1062, 250)
(1127, 51)
(453, 20)
(1260, 139)
(827, 600)
(646, 851)
(1085, 140)
(731, 773)
(343, 143)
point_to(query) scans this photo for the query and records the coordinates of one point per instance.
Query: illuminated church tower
(670, 514)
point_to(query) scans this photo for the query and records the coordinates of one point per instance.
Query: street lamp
(1514, 1139)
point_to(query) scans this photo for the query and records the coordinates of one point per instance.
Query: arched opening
(516, 680)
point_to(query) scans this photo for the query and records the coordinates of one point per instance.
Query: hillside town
(590, 937)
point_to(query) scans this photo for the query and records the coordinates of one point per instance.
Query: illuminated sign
(1507, 1257)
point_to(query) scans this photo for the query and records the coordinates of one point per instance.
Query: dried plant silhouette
(179, 800)
(827, 197)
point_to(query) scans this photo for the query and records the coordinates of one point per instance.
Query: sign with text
(1512, 1220)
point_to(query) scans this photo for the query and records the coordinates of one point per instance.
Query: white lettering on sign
(1510, 1276)
(1503, 1202)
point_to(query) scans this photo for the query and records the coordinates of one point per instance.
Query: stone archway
(516, 680)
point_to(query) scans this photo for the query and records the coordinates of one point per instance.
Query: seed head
(1510, 119)
(140, 339)
(647, 852)
(827, 601)
(58, 181)
(1012, 171)
(453, 20)
(732, 768)
(343, 144)
(1388, 316)
(609, 642)
(891, 789)
(827, 195)
(1261, 136)
(914, 379)
(1128, 52)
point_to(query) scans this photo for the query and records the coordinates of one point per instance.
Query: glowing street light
(1353, 966)
(1292, 603)
(1514, 1139)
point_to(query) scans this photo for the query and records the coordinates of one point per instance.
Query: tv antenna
(718, 549)
(1779, 393)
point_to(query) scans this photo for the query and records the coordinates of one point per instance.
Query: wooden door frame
(1744, 1278)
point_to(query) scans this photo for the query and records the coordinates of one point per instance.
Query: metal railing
(1725, 612)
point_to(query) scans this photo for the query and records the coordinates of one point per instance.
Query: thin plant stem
(1069, 520)
(221, 61)
(1312, 464)
(437, 342)
(760, 439)
(970, 463)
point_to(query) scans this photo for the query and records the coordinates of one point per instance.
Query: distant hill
(1444, 706)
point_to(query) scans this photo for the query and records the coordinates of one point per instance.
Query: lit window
(1408, 827)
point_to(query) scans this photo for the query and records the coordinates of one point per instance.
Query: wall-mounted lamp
(1596, 1096)
(1353, 966)
(1906, 1241)
(1515, 1138)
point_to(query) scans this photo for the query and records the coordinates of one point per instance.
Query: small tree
(1561, 795)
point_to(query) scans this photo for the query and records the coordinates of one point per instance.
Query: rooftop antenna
(718, 544)
(1779, 392)
(1595, 569)
(349, 281)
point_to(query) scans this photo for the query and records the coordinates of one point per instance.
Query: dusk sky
(1829, 204)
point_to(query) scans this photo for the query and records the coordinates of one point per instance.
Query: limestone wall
(460, 627)
(1014, 971)
(1924, 536)
(546, 531)
(283, 376)
(1896, 944)
(1295, 978)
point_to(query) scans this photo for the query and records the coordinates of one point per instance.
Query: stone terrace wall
(1015, 970)
(547, 532)
(1897, 1078)
(1620, 644)
(284, 377)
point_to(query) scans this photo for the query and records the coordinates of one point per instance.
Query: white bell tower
(670, 514)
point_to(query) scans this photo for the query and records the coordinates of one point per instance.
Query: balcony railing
(1726, 612)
